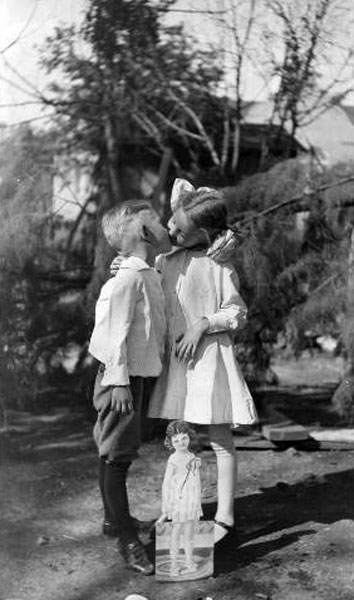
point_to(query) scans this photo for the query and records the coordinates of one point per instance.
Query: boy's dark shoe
(135, 556)
(110, 529)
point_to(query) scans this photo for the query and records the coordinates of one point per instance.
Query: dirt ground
(294, 510)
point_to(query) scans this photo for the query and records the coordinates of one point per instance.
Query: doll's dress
(183, 496)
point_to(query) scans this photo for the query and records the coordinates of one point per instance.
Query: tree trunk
(349, 325)
(162, 209)
(236, 146)
(112, 158)
(103, 253)
(343, 398)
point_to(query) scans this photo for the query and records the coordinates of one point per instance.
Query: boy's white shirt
(130, 324)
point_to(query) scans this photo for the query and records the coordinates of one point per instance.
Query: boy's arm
(120, 315)
(117, 261)
(122, 399)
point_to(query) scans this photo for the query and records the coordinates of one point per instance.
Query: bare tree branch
(21, 32)
(296, 199)
(203, 134)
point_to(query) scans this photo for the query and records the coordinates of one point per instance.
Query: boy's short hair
(121, 221)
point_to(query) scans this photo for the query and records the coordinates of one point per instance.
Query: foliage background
(131, 92)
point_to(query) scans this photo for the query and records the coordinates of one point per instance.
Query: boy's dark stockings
(112, 481)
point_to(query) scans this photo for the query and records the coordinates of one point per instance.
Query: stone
(285, 433)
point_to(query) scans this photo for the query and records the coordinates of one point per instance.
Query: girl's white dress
(181, 491)
(212, 389)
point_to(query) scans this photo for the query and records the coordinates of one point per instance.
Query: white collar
(135, 263)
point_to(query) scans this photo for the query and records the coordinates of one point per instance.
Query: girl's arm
(232, 311)
(231, 314)
(187, 344)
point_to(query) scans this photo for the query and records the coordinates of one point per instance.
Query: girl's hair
(206, 207)
(121, 220)
(176, 427)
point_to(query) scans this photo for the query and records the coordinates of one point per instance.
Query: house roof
(330, 135)
(349, 110)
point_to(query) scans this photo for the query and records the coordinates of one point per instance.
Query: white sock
(221, 440)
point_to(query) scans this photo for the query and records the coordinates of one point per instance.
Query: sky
(24, 24)
(30, 21)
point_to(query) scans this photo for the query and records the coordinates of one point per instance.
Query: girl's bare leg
(223, 445)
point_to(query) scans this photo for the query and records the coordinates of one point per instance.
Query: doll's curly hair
(176, 427)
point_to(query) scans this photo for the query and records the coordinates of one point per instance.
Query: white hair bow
(224, 247)
(181, 186)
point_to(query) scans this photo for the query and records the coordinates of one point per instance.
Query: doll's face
(180, 441)
(183, 231)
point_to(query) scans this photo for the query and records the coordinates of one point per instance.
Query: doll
(181, 494)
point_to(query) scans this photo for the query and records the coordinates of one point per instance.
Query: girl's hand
(161, 519)
(187, 345)
(159, 523)
(115, 264)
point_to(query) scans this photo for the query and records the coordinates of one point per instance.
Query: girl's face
(180, 441)
(183, 231)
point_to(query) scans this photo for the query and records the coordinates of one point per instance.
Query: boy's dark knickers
(117, 436)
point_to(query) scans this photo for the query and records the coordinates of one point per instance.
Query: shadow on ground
(51, 544)
(280, 508)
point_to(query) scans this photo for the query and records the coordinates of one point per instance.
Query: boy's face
(156, 234)
(182, 230)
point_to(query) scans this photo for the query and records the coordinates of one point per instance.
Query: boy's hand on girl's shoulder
(187, 344)
(115, 264)
(122, 399)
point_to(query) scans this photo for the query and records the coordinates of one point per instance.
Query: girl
(201, 381)
(181, 494)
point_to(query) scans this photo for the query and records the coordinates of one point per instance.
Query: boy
(128, 341)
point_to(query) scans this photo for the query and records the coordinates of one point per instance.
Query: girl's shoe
(227, 537)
